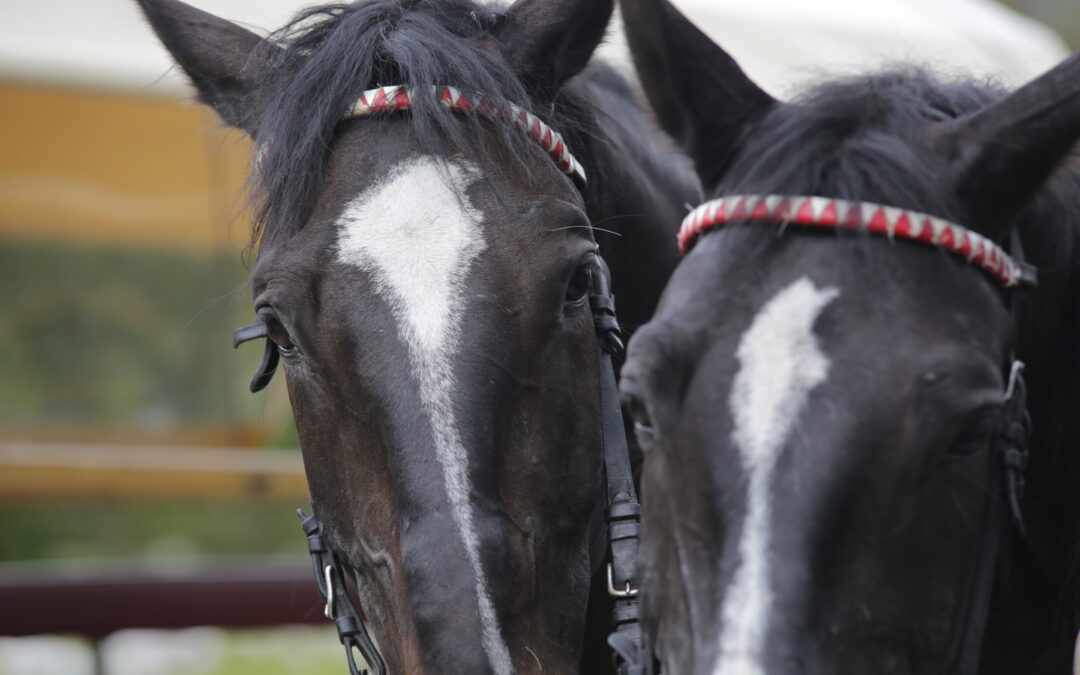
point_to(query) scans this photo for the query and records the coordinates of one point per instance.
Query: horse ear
(1004, 153)
(547, 42)
(219, 57)
(700, 94)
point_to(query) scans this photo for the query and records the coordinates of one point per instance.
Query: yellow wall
(99, 167)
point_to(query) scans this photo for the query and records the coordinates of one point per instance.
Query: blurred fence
(130, 472)
(95, 598)
(47, 471)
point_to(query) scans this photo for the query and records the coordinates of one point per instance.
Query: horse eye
(279, 335)
(578, 288)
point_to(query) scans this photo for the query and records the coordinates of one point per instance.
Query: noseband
(1009, 270)
(622, 512)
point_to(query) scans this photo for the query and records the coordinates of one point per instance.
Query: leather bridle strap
(1006, 482)
(400, 97)
(330, 580)
(623, 514)
(1007, 464)
(868, 217)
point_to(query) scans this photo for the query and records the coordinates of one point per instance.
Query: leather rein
(622, 512)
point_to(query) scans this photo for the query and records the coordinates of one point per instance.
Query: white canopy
(106, 44)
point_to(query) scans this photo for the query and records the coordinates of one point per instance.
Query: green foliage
(147, 530)
(120, 336)
(1063, 17)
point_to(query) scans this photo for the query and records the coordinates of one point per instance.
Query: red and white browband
(838, 213)
(399, 97)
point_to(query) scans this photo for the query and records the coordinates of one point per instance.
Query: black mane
(858, 138)
(327, 55)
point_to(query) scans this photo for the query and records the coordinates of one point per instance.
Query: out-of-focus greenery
(131, 341)
(147, 530)
(1061, 15)
(121, 336)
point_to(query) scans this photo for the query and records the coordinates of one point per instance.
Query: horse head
(423, 273)
(826, 396)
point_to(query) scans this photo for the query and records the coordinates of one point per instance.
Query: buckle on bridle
(1014, 436)
(328, 574)
(616, 593)
(1015, 373)
(350, 627)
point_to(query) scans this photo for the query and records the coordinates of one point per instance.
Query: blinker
(254, 331)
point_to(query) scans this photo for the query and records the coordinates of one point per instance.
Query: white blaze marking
(417, 233)
(779, 364)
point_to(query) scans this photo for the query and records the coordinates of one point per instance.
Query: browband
(399, 97)
(839, 213)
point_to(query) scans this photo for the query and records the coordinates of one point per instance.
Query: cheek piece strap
(1008, 464)
(340, 607)
(623, 513)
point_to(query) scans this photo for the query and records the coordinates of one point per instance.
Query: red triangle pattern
(824, 212)
(392, 98)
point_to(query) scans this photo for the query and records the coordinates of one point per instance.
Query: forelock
(860, 138)
(330, 54)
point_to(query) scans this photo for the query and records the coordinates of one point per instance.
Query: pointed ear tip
(154, 6)
(549, 41)
(162, 12)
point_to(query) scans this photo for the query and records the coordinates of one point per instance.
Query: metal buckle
(1014, 374)
(328, 611)
(615, 593)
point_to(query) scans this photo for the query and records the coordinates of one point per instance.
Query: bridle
(339, 605)
(622, 512)
(399, 97)
(1009, 270)
(823, 212)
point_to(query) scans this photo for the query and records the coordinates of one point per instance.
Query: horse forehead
(780, 361)
(418, 231)
(419, 211)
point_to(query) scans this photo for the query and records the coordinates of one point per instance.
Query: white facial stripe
(417, 234)
(779, 364)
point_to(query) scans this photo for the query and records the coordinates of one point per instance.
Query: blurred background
(146, 498)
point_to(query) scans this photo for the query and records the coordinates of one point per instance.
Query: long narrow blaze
(417, 233)
(780, 362)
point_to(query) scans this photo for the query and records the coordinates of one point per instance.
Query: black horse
(423, 269)
(831, 421)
